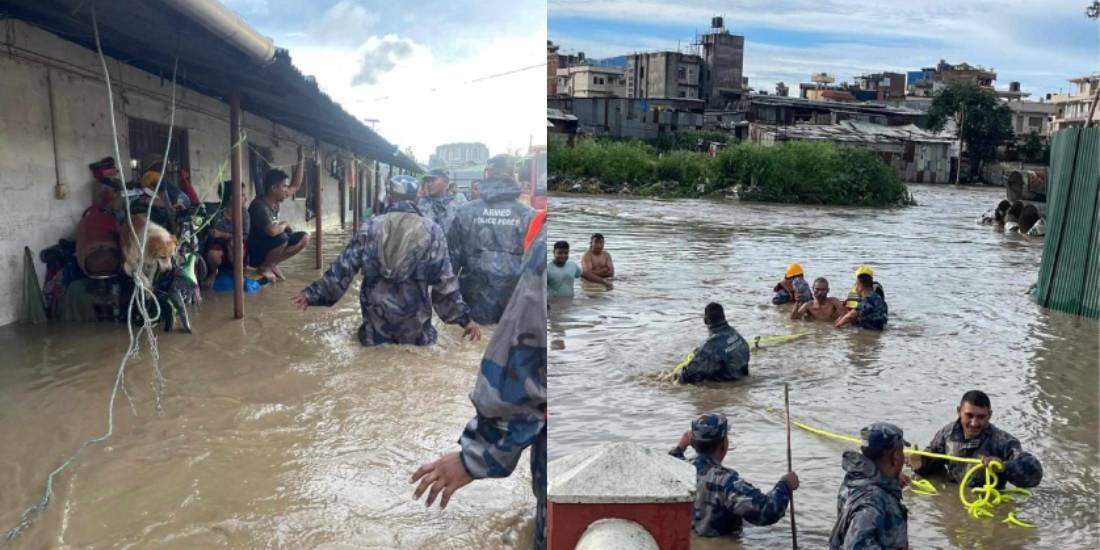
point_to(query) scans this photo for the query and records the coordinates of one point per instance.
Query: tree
(984, 123)
(1093, 11)
(409, 153)
(1032, 149)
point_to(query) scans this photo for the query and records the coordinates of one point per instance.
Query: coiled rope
(988, 496)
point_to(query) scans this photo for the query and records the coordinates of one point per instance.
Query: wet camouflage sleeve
(866, 531)
(510, 394)
(930, 466)
(328, 290)
(724, 356)
(753, 505)
(872, 312)
(1022, 469)
(446, 298)
(802, 292)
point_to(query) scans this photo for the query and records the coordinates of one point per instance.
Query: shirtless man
(596, 260)
(822, 307)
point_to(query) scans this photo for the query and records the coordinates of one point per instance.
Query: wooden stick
(790, 467)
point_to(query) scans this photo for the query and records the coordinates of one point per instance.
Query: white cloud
(379, 56)
(345, 22)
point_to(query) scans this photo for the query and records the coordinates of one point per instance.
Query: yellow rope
(756, 344)
(987, 495)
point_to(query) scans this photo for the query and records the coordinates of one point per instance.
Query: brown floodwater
(278, 431)
(959, 319)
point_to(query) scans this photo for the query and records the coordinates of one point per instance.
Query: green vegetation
(986, 123)
(794, 172)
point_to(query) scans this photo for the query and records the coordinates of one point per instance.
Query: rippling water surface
(959, 319)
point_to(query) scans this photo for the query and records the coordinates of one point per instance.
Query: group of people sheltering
(481, 262)
(870, 512)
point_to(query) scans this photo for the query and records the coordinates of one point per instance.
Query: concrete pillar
(624, 481)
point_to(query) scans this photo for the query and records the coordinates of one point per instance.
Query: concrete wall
(30, 215)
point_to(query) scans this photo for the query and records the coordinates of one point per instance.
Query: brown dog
(159, 249)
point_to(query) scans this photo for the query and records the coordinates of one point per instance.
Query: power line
(476, 80)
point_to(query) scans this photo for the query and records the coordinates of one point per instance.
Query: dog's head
(161, 251)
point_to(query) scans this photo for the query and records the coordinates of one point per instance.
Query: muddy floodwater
(278, 431)
(959, 320)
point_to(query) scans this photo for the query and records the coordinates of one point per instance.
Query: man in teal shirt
(561, 273)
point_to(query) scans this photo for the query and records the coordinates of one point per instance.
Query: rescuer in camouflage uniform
(723, 357)
(438, 204)
(723, 501)
(509, 396)
(871, 313)
(972, 436)
(400, 254)
(869, 509)
(486, 242)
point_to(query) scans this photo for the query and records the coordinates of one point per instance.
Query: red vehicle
(534, 174)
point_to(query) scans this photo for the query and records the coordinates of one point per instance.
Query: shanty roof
(148, 34)
(558, 114)
(862, 132)
(864, 107)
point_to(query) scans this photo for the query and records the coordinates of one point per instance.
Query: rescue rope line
(988, 496)
(756, 341)
(137, 299)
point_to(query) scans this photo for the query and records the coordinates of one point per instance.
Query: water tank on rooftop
(716, 22)
(1013, 86)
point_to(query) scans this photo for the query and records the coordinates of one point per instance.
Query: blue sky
(1039, 43)
(409, 64)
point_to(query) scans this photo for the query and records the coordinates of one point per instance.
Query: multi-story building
(1031, 116)
(723, 62)
(663, 75)
(591, 81)
(451, 155)
(887, 86)
(929, 80)
(1073, 110)
(556, 61)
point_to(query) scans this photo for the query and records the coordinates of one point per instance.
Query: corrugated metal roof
(861, 132)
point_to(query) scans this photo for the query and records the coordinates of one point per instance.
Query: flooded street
(960, 319)
(277, 432)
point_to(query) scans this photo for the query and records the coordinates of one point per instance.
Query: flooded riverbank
(278, 431)
(959, 319)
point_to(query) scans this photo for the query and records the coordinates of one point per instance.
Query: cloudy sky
(1040, 43)
(421, 67)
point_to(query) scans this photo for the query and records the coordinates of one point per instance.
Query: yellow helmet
(861, 270)
(794, 270)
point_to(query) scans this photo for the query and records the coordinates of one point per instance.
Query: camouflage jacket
(1021, 469)
(486, 246)
(870, 514)
(510, 393)
(440, 209)
(723, 501)
(723, 357)
(872, 312)
(400, 255)
(802, 292)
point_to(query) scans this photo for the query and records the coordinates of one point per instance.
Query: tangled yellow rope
(988, 494)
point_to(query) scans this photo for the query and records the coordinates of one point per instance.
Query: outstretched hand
(473, 331)
(445, 476)
(299, 302)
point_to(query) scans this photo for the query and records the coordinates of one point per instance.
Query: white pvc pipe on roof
(228, 26)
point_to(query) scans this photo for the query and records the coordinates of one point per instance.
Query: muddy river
(959, 319)
(278, 431)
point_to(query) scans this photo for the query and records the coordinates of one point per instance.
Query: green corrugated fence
(1069, 277)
